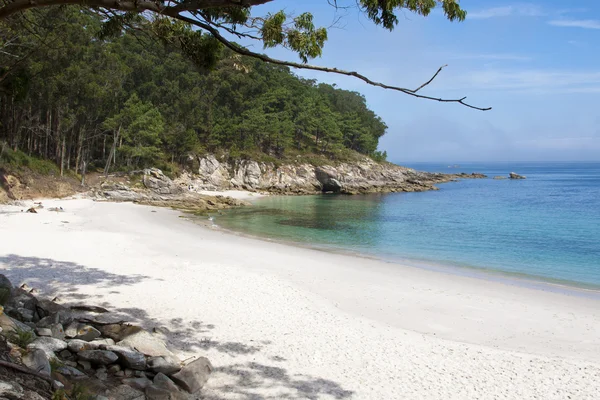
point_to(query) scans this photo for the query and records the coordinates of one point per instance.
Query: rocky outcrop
(514, 175)
(364, 176)
(138, 366)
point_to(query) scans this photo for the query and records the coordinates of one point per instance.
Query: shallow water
(546, 227)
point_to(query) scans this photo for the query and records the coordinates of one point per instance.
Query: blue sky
(536, 63)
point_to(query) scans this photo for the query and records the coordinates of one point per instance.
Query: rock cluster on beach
(69, 349)
(365, 176)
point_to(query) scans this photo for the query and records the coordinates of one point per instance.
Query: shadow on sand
(243, 380)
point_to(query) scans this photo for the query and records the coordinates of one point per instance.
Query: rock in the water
(98, 357)
(499, 177)
(138, 383)
(194, 375)
(129, 358)
(6, 289)
(49, 345)
(77, 345)
(513, 175)
(166, 365)
(43, 332)
(87, 333)
(147, 344)
(38, 361)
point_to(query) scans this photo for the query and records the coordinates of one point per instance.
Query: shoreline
(279, 320)
(487, 274)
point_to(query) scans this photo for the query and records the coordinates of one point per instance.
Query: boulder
(69, 371)
(164, 388)
(125, 392)
(98, 357)
(146, 343)
(138, 383)
(328, 180)
(513, 175)
(77, 345)
(194, 375)
(500, 177)
(87, 333)
(118, 332)
(128, 357)
(6, 290)
(57, 331)
(158, 182)
(11, 390)
(38, 361)
(165, 365)
(8, 324)
(43, 332)
(49, 345)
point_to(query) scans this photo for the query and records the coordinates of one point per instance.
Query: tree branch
(244, 51)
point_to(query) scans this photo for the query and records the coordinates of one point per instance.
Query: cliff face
(365, 176)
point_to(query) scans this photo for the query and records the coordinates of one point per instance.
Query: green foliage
(149, 102)
(55, 364)
(19, 160)
(379, 156)
(21, 337)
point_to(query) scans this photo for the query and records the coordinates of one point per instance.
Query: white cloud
(576, 23)
(520, 10)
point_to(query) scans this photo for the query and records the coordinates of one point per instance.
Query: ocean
(544, 228)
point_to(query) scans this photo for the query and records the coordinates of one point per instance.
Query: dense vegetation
(126, 101)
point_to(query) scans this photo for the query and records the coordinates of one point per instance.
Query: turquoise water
(546, 227)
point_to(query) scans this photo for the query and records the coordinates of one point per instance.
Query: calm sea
(546, 227)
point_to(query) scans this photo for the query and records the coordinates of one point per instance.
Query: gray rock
(146, 343)
(71, 330)
(128, 357)
(194, 375)
(86, 365)
(138, 383)
(87, 333)
(499, 177)
(125, 392)
(9, 324)
(66, 354)
(118, 332)
(103, 343)
(43, 332)
(70, 363)
(166, 365)
(162, 381)
(49, 345)
(113, 369)
(102, 374)
(23, 314)
(57, 331)
(98, 357)
(154, 393)
(328, 180)
(6, 290)
(513, 175)
(67, 370)
(120, 374)
(56, 312)
(38, 361)
(77, 345)
(11, 390)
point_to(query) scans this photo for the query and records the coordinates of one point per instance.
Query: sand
(282, 322)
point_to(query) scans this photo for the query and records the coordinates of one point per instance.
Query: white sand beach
(283, 322)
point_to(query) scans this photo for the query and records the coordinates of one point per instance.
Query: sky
(536, 63)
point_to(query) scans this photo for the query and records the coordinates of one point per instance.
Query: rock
(101, 374)
(77, 345)
(70, 363)
(113, 369)
(120, 374)
(61, 314)
(66, 354)
(86, 365)
(194, 375)
(138, 383)
(43, 332)
(158, 182)
(162, 381)
(166, 365)
(49, 345)
(6, 290)
(57, 331)
(38, 361)
(513, 175)
(128, 357)
(87, 333)
(98, 357)
(11, 390)
(9, 324)
(500, 177)
(125, 392)
(103, 343)
(146, 343)
(69, 371)
(71, 330)
(23, 314)
(328, 180)
(118, 332)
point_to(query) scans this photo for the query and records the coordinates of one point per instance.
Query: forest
(74, 91)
